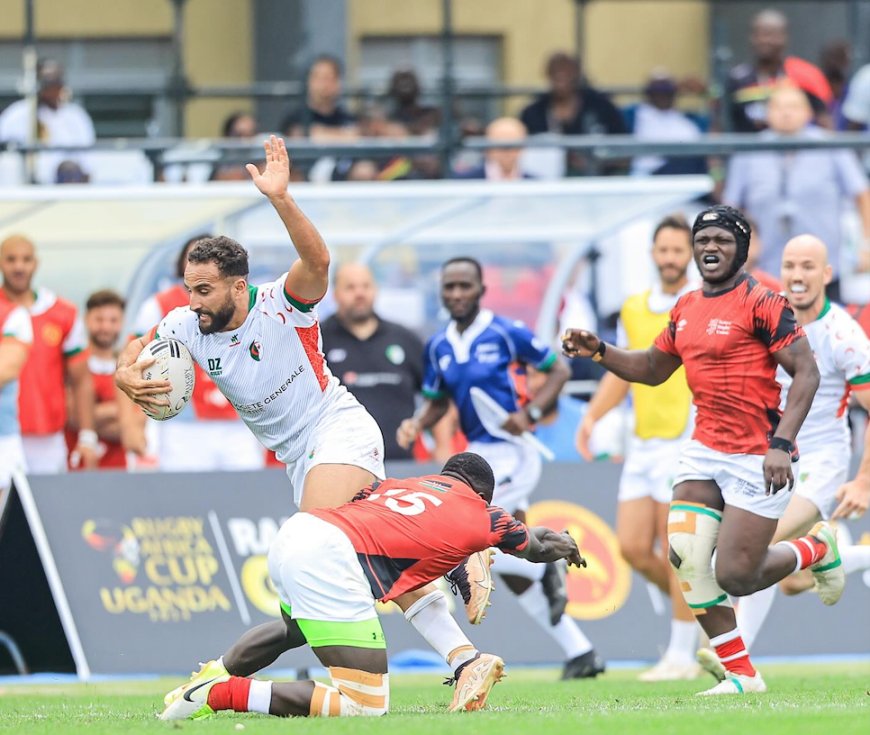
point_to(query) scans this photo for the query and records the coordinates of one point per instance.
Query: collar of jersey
(707, 295)
(825, 309)
(44, 300)
(658, 301)
(461, 343)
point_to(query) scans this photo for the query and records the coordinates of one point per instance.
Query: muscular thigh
(330, 485)
(744, 538)
(636, 525)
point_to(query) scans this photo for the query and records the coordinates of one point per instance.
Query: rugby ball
(173, 363)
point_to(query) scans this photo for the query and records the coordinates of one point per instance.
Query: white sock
(432, 620)
(684, 641)
(516, 567)
(566, 632)
(855, 558)
(260, 696)
(752, 611)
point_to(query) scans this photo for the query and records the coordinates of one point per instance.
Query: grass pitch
(826, 698)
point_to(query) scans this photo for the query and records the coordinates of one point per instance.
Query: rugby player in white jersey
(261, 346)
(842, 352)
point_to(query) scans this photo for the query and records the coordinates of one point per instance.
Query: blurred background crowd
(772, 103)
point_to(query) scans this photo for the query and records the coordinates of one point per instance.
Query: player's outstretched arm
(545, 545)
(651, 366)
(308, 277)
(128, 377)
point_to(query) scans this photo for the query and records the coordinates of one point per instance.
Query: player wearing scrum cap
(842, 352)
(262, 348)
(734, 476)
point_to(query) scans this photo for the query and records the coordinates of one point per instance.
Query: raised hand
(579, 343)
(276, 176)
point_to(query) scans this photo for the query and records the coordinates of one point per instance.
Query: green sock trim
(359, 634)
(718, 601)
(695, 509)
(832, 565)
(734, 680)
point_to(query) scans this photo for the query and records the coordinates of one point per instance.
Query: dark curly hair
(230, 257)
(474, 471)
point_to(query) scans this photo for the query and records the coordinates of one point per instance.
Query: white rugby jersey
(842, 353)
(271, 368)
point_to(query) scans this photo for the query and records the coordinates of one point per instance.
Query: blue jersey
(485, 355)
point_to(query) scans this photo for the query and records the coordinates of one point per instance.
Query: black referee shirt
(384, 372)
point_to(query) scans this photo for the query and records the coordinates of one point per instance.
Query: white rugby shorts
(740, 478)
(315, 570)
(344, 434)
(821, 474)
(517, 470)
(649, 469)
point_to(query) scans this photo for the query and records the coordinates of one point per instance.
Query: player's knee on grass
(692, 533)
(353, 693)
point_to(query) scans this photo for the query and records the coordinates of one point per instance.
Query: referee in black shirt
(380, 362)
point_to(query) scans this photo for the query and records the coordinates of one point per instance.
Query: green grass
(831, 699)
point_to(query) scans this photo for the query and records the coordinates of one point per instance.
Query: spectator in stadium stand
(798, 192)
(379, 361)
(197, 439)
(480, 351)
(663, 421)
(835, 62)
(374, 122)
(56, 359)
(104, 322)
(657, 118)
(59, 122)
(571, 107)
(500, 164)
(750, 84)
(243, 126)
(16, 337)
(322, 117)
(856, 106)
(404, 92)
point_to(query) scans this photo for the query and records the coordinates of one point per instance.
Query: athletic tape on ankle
(692, 533)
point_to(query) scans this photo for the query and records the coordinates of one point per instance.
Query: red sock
(732, 653)
(808, 549)
(231, 694)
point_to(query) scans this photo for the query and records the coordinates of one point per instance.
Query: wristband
(88, 438)
(785, 445)
(599, 353)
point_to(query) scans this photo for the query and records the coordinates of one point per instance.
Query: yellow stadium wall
(217, 44)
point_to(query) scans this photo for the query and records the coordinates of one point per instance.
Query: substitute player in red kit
(330, 566)
(735, 475)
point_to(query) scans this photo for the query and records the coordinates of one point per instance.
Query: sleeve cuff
(432, 395)
(304, 305)
(547, 363)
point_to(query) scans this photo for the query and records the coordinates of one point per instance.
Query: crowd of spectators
(773, 95)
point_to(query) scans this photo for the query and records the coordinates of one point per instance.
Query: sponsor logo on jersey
(214, 367)
(234, 341)
(257, 406)
(487, 352)
(681, 325)
(255, 349)
(52, 334)
(719, 326)
(395, 354)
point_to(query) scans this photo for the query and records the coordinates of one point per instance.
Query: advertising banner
(155, 572)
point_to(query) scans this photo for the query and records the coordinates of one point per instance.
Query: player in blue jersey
(480, 352)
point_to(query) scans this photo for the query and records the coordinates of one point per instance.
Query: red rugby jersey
(726, 341)
(58, 336)
(409, 532)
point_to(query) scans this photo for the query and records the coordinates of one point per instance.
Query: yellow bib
(660, 411)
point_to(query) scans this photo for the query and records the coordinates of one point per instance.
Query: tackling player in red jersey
(729, 490)
(331, 565)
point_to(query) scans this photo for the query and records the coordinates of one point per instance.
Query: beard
(670, 275)
(219, 318)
